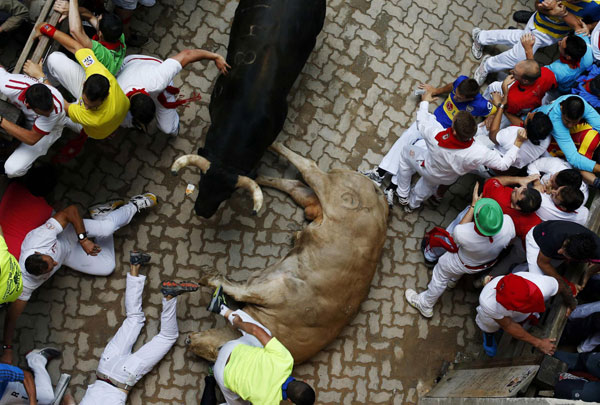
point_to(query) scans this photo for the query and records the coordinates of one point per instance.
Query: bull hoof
(174, 172)
(188, 340)
(254, 213)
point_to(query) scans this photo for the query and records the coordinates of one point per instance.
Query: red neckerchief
(22, 97)
(572, 65)
(447, 139)
(479, 233)
(136, 91)
(162, 99)
(586, 85)
(111, 46)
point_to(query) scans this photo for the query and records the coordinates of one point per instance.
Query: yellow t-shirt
(256, 374)
(102, 122)
(11, 282)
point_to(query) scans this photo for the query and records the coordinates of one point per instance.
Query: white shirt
(444, 165)
(148, 73)
(101, 393)
(475, 249)
(528, 152)
(14, 86)
(489, 307)
(47, 239)
(594, 40)
(550, 165)
(548, 211)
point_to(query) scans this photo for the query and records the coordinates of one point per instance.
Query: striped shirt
(556, 27)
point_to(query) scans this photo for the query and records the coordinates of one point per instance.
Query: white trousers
(21, 160)
(391, 161)
(117, 360)
(69, 73)
(448, 268)
(231, 397)
(102, 231)
(15, 393)
(512, 37)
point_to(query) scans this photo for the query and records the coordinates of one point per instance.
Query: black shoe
(140, 258)
(429, 263)
(48, 352)
(136, 39)
(522, 16)
(175, 288)
(217, 300)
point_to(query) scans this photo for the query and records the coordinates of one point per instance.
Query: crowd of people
(93, 87)
(536, 147)
(536, 151)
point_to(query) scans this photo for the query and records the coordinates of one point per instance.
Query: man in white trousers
(442, 156)
(508, 301)
(66, 239)
(44, 110)
(482, 233)
(256, 368)
(119, 368)
(148, 83)
(19, 387)
(552, 21)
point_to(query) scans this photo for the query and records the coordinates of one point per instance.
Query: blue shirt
(8, 374)
(478, 107)
(562, 136)
(566, 76)
(580, 88)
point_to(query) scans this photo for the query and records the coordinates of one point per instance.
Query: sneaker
(402, 200)
(522, 16)
(136, 39)
(373, 176)
(389, 196)
(482, 281)
(489, 344)
(413, 299)
(419, 91)
(481, 73)
(175, 288)
(569, 376)
(141, 258)
(144, 201)
(217, 300)
(476, 48)
(101, 210)
(429, 263)
(408, 209)
(49, 353)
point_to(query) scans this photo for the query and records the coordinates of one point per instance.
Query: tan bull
(316, 289)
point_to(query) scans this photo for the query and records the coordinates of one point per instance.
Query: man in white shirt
(442, 156)
(507, 301)
(556, 172)
(537, 127)
(120, 368)
(43, 107)
(148, 82)
(478, 239)
(66, 239)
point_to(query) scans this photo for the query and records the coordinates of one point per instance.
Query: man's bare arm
(29, 384)
(546, 345)
(65, 40)
(70, 215)
(27, 136)
(193, 55)
(544, 263)
(75, 26)
(256, 331)
(10, 322)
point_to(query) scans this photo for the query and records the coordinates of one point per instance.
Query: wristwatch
(41, 79)
(82, 236)
(500, 106)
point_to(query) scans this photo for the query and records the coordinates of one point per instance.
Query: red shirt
(522, 100)
(21, 212)
(523, 222)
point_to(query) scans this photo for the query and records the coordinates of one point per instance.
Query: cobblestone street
(351, 102)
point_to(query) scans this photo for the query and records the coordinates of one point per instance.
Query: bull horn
(186, 160)
(253, 188)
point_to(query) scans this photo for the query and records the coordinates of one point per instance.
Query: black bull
(269, 44)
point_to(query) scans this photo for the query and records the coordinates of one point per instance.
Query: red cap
(516, 293)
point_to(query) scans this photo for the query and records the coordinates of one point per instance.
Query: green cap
(488, 216)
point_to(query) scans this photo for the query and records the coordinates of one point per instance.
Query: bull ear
(254, 189)
(186, 160)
